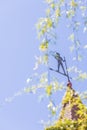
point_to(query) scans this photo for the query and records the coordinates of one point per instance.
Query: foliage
(69, 125)
(75, 14)
(73, 11)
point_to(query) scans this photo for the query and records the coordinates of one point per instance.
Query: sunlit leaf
(45, 59)
(72, 37)
(84, 29)
(57, 12)
(82, 76)
(49, 90)
(70, 13)
(52, 5)
(50, 105)
(72, 48)
(73, 3)
(28, 80)
(44, 78)
(44, 46)
(83, 8)
(36, 66)
(80, 57)
(27, 90)
(53, 111)
(85, 47)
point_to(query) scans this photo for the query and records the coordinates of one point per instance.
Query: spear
(67, 70)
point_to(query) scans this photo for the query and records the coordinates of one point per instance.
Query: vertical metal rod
(66, 70)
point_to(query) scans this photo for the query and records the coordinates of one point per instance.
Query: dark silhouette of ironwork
(60, 64)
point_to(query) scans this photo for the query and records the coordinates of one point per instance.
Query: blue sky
(18, 46)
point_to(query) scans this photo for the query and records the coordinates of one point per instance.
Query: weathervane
(61, 64)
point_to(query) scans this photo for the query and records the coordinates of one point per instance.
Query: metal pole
(67, 70)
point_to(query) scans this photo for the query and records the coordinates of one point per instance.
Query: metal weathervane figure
(60, 63)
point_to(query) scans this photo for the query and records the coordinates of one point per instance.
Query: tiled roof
(72, 105)
(73, 115)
